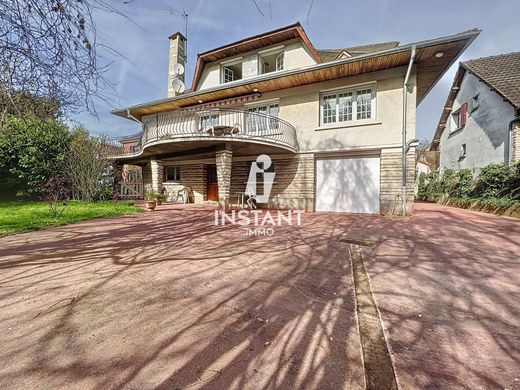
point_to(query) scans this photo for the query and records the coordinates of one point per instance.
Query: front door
(212, 183)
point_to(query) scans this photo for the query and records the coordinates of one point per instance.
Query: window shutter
(463, 114)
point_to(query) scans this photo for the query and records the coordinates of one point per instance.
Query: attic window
(271, 62)
(232, 72)
(343, 54)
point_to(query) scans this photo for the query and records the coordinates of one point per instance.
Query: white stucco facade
(485, 134)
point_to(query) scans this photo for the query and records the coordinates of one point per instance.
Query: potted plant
(150, 200)
(161, 198)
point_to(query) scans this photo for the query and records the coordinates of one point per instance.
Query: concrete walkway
(168, 300)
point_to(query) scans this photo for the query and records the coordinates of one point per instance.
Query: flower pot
(150, 204)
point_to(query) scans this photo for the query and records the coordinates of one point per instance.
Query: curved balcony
(213, 124)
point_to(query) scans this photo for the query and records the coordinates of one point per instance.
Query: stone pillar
(391, 181)
(156, 167)
(224, 159)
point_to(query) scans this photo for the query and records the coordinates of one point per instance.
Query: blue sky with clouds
(142, 75)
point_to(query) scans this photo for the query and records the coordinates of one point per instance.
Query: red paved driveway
(167, 300)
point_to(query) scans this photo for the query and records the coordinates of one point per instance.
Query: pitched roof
(332, 54)
(429, 69)
(279, 35)
(502, 73)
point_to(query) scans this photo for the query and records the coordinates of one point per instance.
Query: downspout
(405, 117)
(132, 117)
(509, 158)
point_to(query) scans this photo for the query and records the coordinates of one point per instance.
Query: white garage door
(348, 184)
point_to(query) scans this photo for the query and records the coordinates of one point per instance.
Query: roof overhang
(429, 69)
(454, 90)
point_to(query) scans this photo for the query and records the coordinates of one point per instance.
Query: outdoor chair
(182, 195)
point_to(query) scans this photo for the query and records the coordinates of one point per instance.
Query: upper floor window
(208, 121)
(356, 104)
(265, 117)
(232, 71)
(473, 104)
(459, 117)
(271, 62)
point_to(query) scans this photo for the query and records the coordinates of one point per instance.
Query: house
(480, 123)
(337, 124)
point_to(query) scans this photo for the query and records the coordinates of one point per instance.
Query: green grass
(17, 217)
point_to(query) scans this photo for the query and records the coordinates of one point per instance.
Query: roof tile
(501, 72)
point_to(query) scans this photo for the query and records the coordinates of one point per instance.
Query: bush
(465, 183)
(493, 181)
(31, 152)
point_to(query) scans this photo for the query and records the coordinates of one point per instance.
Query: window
(462, 151)
(172, 174)
(456, 119)
(473, 104)
(264, 118)
(459, 117)
(207, 121)
(348, 106)
(232, 72)
(271, 62)
(279, 62)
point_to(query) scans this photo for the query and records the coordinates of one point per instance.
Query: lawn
(17, 217)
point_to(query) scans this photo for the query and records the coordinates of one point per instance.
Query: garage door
(348, 184)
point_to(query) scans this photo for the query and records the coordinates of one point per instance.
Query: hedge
(495, 189)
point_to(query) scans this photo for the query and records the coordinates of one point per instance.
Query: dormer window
(232, 71)
(271, 61)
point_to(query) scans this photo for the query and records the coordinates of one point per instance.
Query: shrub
(493, 181)
(464, 183)
(56, 193)
(32, 151)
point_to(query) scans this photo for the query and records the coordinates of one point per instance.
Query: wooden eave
(448, 106)
(256, 42)
(429, 70)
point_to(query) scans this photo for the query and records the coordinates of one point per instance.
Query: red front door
(212, 183)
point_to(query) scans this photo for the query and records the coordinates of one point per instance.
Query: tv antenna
(177, 12)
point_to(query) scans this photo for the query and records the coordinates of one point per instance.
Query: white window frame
(455, 122)
(354, 90)
(282, 56)
(207, 121)
(463, 151)
(176, 174)
(254, 128)
(225, 66)
(280, 50)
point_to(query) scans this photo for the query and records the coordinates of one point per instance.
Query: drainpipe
(509, 158)
(405, 115)
(132, 117)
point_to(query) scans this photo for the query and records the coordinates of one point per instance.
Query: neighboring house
(480, 121)
(330, 120)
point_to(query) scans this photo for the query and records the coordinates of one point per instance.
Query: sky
(139, 74)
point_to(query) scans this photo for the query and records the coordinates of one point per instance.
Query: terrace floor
(166, 299)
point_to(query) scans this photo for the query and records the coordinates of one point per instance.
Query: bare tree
(422, 148)
(49, 49)
(88, 165)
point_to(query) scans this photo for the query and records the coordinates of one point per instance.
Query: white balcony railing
(179, 125)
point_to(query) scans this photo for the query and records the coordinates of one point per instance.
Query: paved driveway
(168, 300)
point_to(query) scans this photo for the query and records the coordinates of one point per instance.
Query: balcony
(219, 125)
